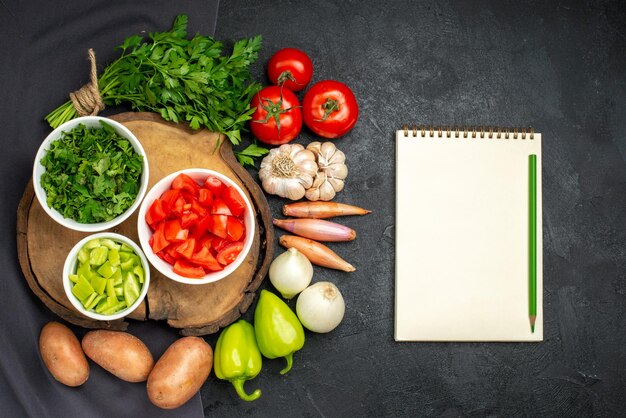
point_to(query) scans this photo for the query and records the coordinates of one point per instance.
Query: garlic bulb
(287, 171)
(332, 171)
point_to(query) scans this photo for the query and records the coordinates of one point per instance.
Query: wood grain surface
(194, 309)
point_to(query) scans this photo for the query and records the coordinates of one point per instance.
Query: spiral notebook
(463, 234)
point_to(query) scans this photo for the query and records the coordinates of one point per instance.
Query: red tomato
(187, 269)
(205, 197)
(189, 219)
(290, 68)
(158, 239)
(169, 197)
(218, 225)
(235, 202)
(220, 208)
(192, 224)
(184, 182)
(186, 248)
(215, 185)
(230, 251)
(205, 259)
(330, 109)
(277, 118)
(174, 232)
(234, 229)
(155, 214)
(218, 243)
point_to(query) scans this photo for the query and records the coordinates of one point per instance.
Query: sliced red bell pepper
(220, 208)
(186, 269)
(205, 259)
(235, 202)
(158, 238)
(234, 229)
(184, 182)
(155, 213)
(186, 248)
(229, 253)
(218, 225)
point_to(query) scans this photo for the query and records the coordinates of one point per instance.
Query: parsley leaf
(92, 174)
(182, 79)
(246, 157)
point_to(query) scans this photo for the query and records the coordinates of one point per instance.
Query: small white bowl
(144, 231)
(38, 170)
(70, 266)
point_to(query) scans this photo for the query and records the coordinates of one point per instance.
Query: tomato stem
(329, 106)
(286, 76)
(274, 110)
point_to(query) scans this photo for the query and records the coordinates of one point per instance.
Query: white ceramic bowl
(71, 263)
(38, 170)
(144, 231)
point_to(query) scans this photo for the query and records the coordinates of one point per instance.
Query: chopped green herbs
(184, 80)
(92, 174)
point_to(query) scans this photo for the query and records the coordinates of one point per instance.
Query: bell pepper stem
(238, 384)
(289, 358)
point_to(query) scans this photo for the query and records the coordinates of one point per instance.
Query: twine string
(87, 99)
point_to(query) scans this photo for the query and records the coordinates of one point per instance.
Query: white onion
(291, 272)
(320, 307)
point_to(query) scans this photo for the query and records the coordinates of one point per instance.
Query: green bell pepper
(237, 357)
(278, 331)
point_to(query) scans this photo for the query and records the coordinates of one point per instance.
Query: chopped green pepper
(278, 331)
(237, 357)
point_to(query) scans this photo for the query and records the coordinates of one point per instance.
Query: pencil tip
(533, 318)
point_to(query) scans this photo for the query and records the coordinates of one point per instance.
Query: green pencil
(532, 240)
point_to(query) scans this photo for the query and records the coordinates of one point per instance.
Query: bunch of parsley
(92, 175)
(184, 80)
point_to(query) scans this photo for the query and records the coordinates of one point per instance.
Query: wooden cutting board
(194, 309)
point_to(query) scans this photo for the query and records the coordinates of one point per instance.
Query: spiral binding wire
(469, 131)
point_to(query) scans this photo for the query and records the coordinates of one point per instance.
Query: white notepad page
(462, 238)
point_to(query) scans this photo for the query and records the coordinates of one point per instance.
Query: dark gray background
(558, 67)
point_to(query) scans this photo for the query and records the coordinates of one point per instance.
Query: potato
(119, 353)
(62, 355)
(180, 372)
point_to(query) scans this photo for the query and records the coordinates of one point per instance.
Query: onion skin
(317, 229)
(320, 307)
(317, 253)
(290, 273)
(322, 210)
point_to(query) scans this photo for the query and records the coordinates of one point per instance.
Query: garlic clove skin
(332, 171)
(322, 188)
(288, 171)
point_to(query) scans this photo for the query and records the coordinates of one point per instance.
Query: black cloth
(44, 49)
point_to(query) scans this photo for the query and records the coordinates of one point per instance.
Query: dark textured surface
(44, 49)
(559, 67)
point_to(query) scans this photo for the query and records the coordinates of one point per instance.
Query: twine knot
(87, 99)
